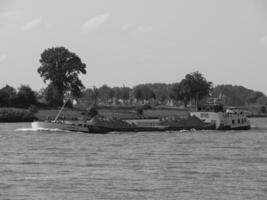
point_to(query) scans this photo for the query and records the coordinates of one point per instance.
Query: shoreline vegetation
(151, 100)
(143, 101)
(111, 112)
(24, 115)
(9, 115)
(16, 115)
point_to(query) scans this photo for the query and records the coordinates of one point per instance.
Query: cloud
(95, 22)
(143, 29)
(32, 24)
(3, 57)
(263, 40)
(7, 14)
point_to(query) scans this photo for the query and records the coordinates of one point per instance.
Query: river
(158, 165)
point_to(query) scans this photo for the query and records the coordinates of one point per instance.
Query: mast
(62, 108)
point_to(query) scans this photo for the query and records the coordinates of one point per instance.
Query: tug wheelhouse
(213, 113)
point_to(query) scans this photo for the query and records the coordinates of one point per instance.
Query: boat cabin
(213, 112)
(212, 105)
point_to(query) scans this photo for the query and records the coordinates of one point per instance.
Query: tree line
(239, 96)
(151, 93)
(193, 87)
(155, 94)
(24, 97)
(60, 69)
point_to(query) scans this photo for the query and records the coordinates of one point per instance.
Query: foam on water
(39, 129)
(185, 130)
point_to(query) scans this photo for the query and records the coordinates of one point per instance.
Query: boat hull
(79, 127)
(89, 128)
(246, 127)
(83, 127)
(224, 121)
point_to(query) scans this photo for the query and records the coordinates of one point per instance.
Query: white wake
(39, 129)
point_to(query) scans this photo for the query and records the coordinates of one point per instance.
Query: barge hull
(69, 127)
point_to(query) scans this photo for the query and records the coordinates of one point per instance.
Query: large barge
(208, 116)
(105, 125)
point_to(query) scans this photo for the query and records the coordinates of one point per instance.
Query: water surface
(159, 165)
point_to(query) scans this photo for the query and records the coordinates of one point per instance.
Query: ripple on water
(170, 165)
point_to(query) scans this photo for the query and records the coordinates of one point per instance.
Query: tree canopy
(90, 96)
(193, 87)
(7, 96)
(105, 93)
(62, 67)
(52, 95)
(25, 97)
(239, 96)
(143, 92)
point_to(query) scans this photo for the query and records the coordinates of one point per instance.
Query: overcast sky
(126, 42)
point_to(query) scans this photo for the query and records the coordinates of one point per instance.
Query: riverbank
(16, 115)
(121, 112)
(257, 116)
(118, 112)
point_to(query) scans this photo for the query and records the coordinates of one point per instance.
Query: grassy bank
(120, 112)
(16, 115)
(258, 116)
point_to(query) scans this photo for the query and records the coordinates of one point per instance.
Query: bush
(147, 107)
(16, 115)
(139, 111)
(91, 112)
(33, 109)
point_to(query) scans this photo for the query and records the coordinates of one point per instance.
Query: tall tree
(193, 87)
(181, 92)
(62, 67)
(198, 85)
(53, 96)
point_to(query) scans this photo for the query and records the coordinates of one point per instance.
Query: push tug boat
(208, 116)
(213, 113)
